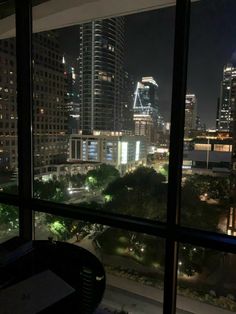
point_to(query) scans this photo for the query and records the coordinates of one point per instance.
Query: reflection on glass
(134, 262)
(206, 279)
(101, 125)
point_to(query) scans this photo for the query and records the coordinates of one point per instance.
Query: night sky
(149, 50)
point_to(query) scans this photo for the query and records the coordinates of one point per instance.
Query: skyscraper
(227, 99)
(72, 94)
(101, 74)
(8, 108)
(190, 114)
(146, 108)
(127, 103)
(49, 111)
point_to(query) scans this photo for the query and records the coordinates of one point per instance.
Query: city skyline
(151, 54)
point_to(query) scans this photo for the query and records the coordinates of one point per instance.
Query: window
(86, 116)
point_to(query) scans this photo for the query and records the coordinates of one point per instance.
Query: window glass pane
(102, 109)
(208, 185)
(8, 102)
(134, 262)
(9, 222)
(206, 280)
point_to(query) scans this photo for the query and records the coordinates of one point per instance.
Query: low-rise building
(125, 152)
(208, 154)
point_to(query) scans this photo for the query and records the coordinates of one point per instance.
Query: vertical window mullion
(176, 151)
(24, 111)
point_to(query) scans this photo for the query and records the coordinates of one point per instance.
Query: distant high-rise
(127, 103)
(101, 74)
(49, 111)
(146, 108)
(190, 114)
(227, 99)
(8, 107)
(72, 95)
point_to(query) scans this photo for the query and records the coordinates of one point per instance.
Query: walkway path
(183, 303)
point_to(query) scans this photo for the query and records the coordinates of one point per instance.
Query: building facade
(49, 111)
(209, 153)
(101, 74)
(72, 95)
(226, 103)
(190, 114)
(8, 109)
(127, 103)
(146, 109)
(125, 152)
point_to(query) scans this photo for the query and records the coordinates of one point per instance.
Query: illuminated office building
(8, 110)
(190, 114)
(227, 99)
(127, 103)
(125, 152)
(72, 95)
(101, 74)
(146, 109)
(49, 111)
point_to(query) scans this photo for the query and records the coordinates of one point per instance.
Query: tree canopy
(140, 193)
(214, 187)
(197, 213)
(52, 190)
(102, 176)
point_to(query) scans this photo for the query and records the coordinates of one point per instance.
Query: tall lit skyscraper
(101, 74)
(49, 111)
(8, 108)
(72, 94)
(127, 103)
(227, 99)
(190, 113)
(146, 109)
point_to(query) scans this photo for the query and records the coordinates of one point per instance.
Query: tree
(139, 193)
(191, 259)
(214, 187)
(196, 213)
(164, 170)
(61, 227)
(99, 178)
(52, 190)
(77, 180)
(9, 218)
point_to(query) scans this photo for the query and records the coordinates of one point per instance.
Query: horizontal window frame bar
(182, 234)
(206, 239)
(9, 199)
(132, 223)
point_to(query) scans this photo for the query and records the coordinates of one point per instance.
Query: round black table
(75, 265)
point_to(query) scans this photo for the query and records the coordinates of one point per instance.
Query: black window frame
(171, 230)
